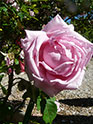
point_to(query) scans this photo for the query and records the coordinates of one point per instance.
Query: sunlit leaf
(50, 111)
(38, 102)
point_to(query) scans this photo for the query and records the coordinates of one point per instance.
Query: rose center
(55, 56)
(51, 56)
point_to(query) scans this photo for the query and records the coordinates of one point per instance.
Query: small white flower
(31, 13)
(9, 58)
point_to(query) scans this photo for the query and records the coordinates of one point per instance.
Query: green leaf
(24, 8)
(36, 11)
(4, 9)
(34, 0)
(21, 15)
(33, 6)
(42, 104)
(4, 90)
(3, 69)
(49, 111)
(52, 99)
(20, 123)
(16, 61)
(1, 76)
(38, 103)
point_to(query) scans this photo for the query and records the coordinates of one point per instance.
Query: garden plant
(51, 41)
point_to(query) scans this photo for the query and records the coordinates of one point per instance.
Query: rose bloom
(56, 56)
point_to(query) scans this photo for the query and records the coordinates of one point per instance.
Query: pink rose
(56, 56)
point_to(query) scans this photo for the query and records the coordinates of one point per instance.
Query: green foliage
(1, 86)
(4, 90)
(1, 77)
(47, 106)
(16, 61)
(12, 123)
(38, 103)
(49, 111)
(3, 67)
(20, 123)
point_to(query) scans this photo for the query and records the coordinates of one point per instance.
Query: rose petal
(31, 36)
(55, 24)
(31, 45)
(76, 81)
(29, 60)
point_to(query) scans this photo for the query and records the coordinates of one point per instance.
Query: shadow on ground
(81, 102)
(73, 119)
(63, 119)
(60, 119)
